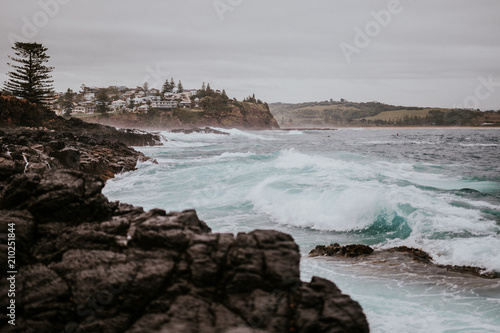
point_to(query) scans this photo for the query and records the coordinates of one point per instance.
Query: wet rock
(416, 254)
(477, 271)
(421, 258)
(352, 250)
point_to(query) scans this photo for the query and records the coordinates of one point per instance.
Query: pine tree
(180, 88)
(68, 102)
(166, 87)
(102, 100)
(203, 88)
(172, 84)
(30, 78)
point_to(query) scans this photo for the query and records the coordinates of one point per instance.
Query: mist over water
(436, 189)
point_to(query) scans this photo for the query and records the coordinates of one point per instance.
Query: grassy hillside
(337, 113)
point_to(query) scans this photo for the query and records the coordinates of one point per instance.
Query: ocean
(433, 189)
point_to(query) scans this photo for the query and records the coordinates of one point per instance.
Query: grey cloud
(283, 50)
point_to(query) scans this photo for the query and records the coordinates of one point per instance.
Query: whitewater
(433, 189)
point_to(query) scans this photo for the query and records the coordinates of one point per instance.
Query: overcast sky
(442, 53)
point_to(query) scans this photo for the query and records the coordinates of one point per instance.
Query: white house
(79, 109)
(153, 98)
(118, 104)
(152, 92)
(191, 92)
(169, 104)
(143, 108)
(138, 100)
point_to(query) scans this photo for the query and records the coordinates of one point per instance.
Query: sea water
(434, 189)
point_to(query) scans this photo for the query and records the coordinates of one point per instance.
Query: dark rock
(68, 157)
(109, 267)
(61, 196)
(421, 258)
(352, 250)
(476, 271)
(63, 150)
(416, 254)
(39, 168)
(56, 145)
(15, 112)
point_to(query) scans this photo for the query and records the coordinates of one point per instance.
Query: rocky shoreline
(85, 264)
(415, 258)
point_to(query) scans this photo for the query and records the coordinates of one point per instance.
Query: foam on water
(347, 187)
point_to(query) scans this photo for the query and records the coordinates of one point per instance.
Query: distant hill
(344, 113)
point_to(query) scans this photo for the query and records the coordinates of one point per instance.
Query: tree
(216, 107)
(172, 84)
(166, 86)
(30, 78)
(68, 102)
(102, 100)
(145, 87)
(180, 88)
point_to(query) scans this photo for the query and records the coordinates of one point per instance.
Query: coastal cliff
(237, 115)
(85, 264)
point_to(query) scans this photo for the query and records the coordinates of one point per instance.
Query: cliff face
(239, 115)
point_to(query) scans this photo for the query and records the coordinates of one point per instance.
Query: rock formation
(88, 265)
(38, 151)
(414, 260)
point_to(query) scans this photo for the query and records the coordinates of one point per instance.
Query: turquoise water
(437, 189)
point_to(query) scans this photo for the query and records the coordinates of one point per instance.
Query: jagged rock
(416, 254)
(21, 151)
(352, 250)
(95, 266)
(68, 157)
(395, 256)
(15, 112)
